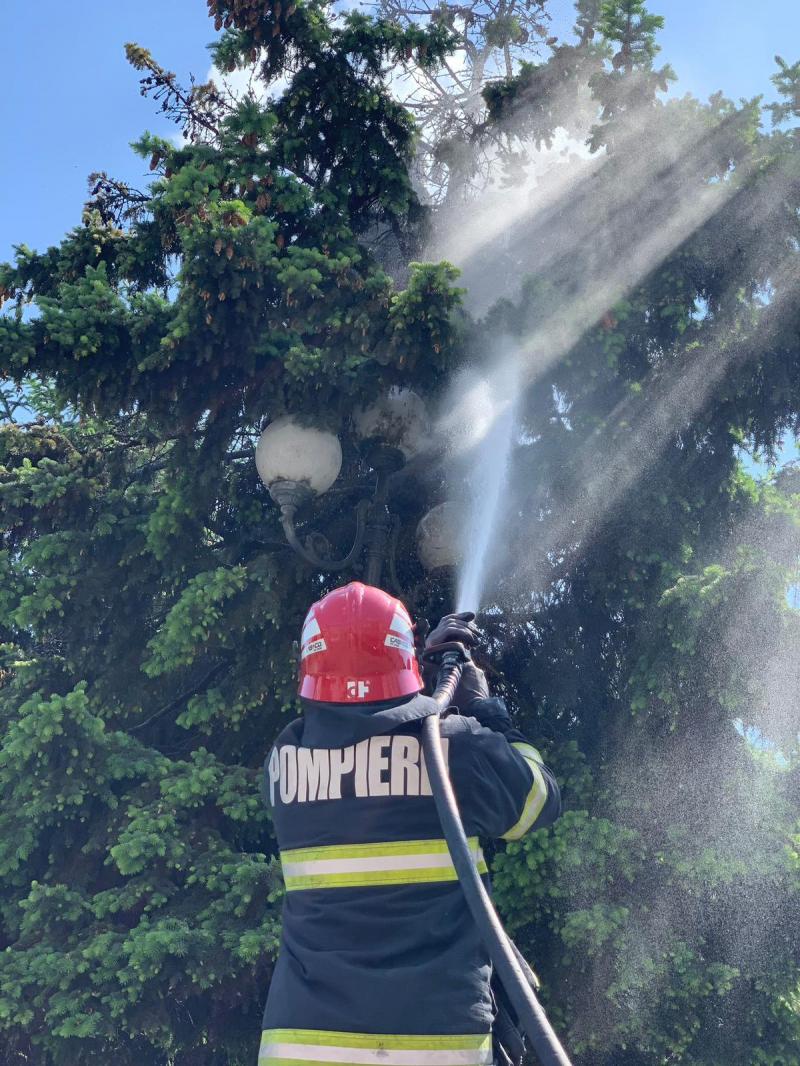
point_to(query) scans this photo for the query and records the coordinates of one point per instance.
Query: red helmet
(358, 647)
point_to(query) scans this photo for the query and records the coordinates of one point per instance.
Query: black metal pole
(501, 949)
(378, 526)
(379, 523)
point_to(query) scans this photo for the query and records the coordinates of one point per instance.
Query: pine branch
(116, 201)
(7, 408)
(198, 108)
(183, 696)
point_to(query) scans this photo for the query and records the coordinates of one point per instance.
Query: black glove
(460, 627)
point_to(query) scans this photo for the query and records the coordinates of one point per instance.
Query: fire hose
(514, 973)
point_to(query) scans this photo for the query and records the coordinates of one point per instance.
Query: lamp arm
(287, 521)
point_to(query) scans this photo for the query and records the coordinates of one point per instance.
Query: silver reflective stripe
(401, 624)
(315, 1053)
(394, 862)
(306, 1047)
(348, 866)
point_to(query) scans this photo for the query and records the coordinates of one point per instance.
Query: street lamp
(439, 535)
(399, 418)
(300, 462)
(297, 462)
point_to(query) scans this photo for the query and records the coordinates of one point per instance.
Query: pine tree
(149, 600)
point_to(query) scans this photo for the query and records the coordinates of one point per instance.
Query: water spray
(515, 974)
(491, 476)
(481, 427)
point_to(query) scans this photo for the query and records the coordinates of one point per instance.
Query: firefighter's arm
(501, 783)
(542, 804)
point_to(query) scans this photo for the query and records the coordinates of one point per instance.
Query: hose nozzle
(450, 658)
(451, 652)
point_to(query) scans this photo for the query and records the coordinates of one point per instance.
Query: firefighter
(380, 961)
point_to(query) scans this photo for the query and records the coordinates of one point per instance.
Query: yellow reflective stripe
(527, 750)
(398, 1041)
(395, 862)
(536, 797)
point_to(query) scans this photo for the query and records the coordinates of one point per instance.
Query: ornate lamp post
(298, 463)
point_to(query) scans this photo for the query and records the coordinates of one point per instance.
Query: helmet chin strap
(518, 980)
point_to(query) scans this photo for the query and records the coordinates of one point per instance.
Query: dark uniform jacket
(380, 960)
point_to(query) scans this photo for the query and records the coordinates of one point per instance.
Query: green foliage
(190, 622)
(787, 82)
(149, 602)
(633, 27)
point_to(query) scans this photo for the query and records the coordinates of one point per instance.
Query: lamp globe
(398, 418)
(301, 455)
(439, 536)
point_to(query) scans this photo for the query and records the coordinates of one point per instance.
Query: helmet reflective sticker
(393, 641)
(401, 623)
(400, 633)
(358, 690)
(311, 641)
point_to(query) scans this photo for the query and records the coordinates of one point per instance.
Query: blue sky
(72, 103)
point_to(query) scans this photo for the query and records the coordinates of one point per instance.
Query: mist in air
(575, 236)
(588, 228)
